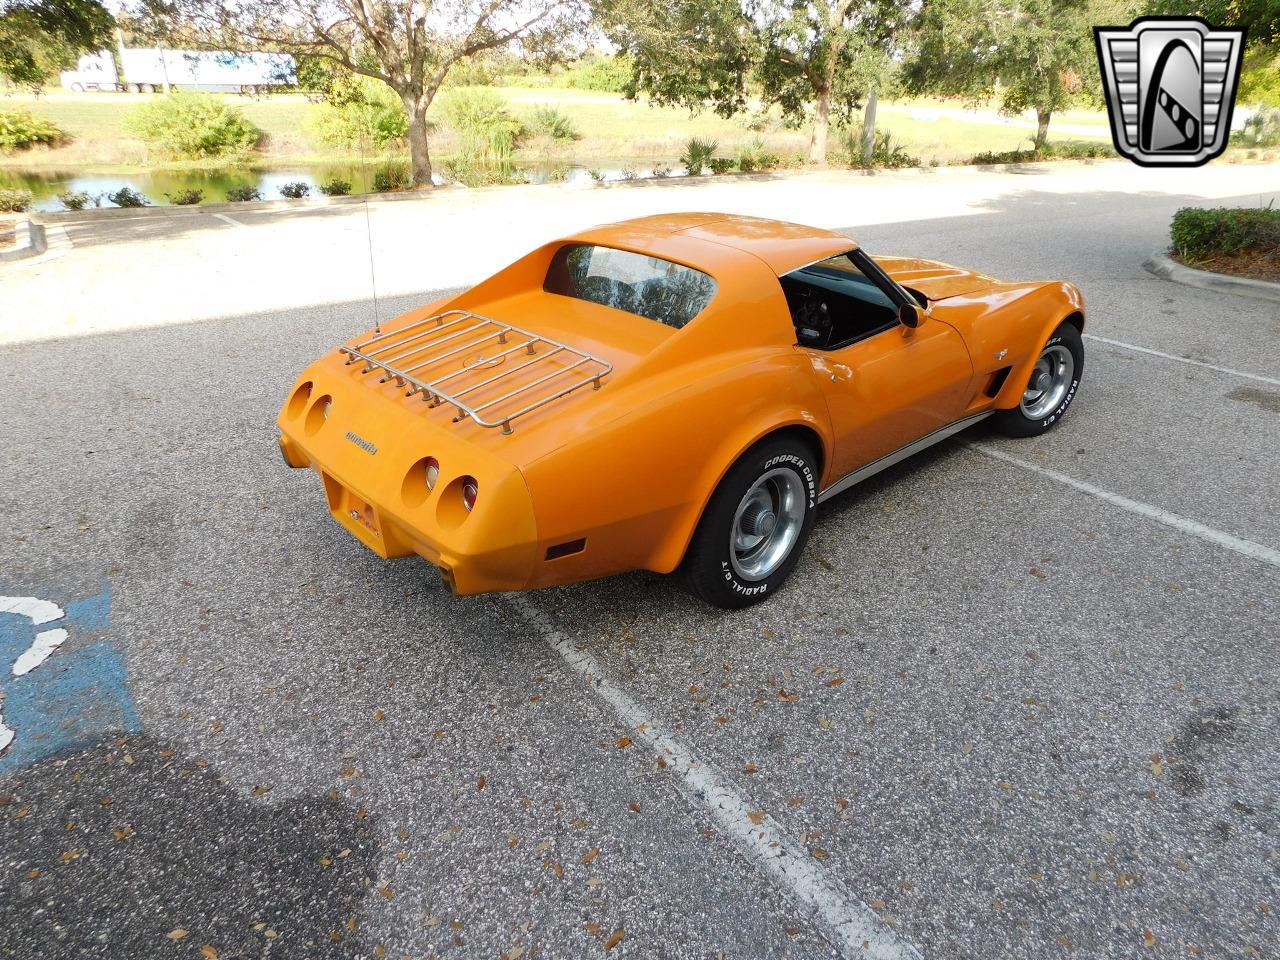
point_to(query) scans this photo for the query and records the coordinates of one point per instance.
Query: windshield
(646, 286)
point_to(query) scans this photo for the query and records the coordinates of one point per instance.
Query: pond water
(158, 186)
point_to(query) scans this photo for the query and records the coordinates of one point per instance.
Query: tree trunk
(821, 122)
(419, 149)
(1042, 127)
(869, 127)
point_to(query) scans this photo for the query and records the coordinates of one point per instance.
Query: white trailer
(147, 69)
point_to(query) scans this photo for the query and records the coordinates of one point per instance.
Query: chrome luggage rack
(446, 349)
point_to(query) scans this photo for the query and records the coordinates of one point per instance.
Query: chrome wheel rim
(766, 524)
(1049, 382)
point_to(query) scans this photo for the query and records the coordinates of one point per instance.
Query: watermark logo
(1170, 84)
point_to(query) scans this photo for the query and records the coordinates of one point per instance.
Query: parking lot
(1019, 699)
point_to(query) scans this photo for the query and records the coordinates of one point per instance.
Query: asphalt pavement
(1018, 699)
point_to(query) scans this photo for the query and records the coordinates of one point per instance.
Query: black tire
(709, 566)
(1022, 421)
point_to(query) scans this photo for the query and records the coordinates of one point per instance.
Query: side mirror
(911, 314)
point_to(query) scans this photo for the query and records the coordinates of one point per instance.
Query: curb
(1167, 269)
(31, 242)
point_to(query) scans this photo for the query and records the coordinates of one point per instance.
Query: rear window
(643, 285)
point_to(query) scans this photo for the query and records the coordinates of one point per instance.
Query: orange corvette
(677, 391)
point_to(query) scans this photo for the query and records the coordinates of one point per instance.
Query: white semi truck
(147, 69)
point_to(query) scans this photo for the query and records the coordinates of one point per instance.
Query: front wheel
(755, 525)
(1050, 388)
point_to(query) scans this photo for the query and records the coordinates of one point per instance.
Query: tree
(791, 53)
(1039, 54)
(38, 37)
(1260, 17)
(1260, 78)
(410, 45)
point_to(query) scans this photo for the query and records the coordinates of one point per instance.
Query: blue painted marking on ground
(74, 697)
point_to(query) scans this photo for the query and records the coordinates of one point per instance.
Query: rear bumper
(382, 499)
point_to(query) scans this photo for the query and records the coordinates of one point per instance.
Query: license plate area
(350, 509)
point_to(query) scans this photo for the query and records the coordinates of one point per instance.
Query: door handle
(839, 372)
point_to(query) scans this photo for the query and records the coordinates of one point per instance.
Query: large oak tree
(410, 45)
(1035, 54)
(814, 59)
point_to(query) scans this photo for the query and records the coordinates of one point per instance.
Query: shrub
(1068, 150)
(1260, 130)
(335, 187)
(78, 199)
(885, 151)
(185, 198)
(628, 173)
(752, 156)
(15, 200)
(487, 135)
(471, 175)
(696, 155)
(296, 190)
(1198, 233)
(720, 165)
(596, 174)
(359, 111)
(22, 128)
(552, 123)
(127, 197)
(193, 126)
(661, 171)
(243, 194)
(391, 174)
(603, 74)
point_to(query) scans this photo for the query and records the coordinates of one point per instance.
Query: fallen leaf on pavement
(591, 856)
(177, 934)
(615, 939)
(623, 742)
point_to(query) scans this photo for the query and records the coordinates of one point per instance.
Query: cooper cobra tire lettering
(708, 564)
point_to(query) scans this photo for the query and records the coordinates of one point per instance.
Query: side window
(834, 304)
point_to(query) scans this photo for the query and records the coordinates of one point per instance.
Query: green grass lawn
(615, 131)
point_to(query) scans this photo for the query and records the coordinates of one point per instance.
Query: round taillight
(431, 470)
(470, 490)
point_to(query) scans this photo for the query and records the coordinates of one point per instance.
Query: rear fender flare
(670, 549)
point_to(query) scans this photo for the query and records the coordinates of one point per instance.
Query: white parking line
(1195, 363)
(231, 220)
(1247, 548)
(848, 924)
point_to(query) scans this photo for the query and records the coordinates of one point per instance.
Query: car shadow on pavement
(127, 848)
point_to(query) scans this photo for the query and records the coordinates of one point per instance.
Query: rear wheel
(755, 525)
(1050, 388)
